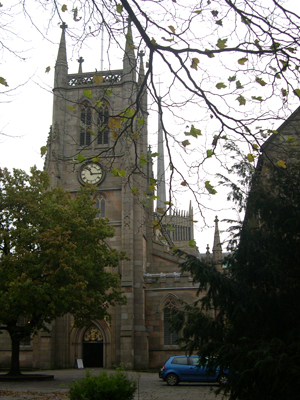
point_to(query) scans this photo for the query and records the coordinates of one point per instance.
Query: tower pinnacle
(161, 180)
(61, 65)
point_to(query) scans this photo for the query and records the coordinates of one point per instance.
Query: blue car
(185, 369)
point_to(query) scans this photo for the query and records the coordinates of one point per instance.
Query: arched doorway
(92, 348)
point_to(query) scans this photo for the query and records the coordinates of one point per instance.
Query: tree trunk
(15, 352)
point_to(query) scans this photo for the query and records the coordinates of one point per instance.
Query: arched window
(103, 116)
(100, 205)
(170, 337)
(85, 124)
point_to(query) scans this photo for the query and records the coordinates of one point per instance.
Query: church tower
(99, 136)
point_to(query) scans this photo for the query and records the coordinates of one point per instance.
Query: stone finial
(80, 60)
(63, 26)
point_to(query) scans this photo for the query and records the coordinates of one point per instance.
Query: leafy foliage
(116, 386)
(53, 256)
(241, 67)
(249, 318)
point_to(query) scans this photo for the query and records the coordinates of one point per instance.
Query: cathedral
(87, 143)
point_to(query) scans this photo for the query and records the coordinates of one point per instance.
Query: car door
(181, 367)
(197, 374)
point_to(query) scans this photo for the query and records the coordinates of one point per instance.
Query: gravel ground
(150, 387)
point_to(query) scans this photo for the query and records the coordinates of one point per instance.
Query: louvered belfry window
(85, 124)
(103, 116)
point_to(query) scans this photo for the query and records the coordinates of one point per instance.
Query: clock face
(91, 173)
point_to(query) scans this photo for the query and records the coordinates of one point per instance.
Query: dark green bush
(116, 386)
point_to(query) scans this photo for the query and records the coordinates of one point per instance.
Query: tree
(256, 328)
(226, 82)
(53, 257)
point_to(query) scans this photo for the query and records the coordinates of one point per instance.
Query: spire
(141, 70)
(129, 60)
(217, 249)
(143, 98)
(161, 181)
(61, 65)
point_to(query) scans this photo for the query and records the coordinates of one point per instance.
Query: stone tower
(87, 127)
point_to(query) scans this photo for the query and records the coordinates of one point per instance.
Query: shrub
(116, 386)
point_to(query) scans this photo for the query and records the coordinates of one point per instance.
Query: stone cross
(63, 26)
(80, 60)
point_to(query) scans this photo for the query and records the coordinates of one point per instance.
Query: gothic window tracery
(170, 337)
(85, 124)
(100, 206)
(103, 116)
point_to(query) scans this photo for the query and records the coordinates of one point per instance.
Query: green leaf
(195, 62)
(219, 22)
(215, 13)
(128, 113)
(221, 44)
(96, 159)
(118, 172)
(167, 40)
(250, 157)
(297, 92)
(284, 92)
(143, 160)
(172, 29)
(43, 150)
(71, 108)
(275, 46)
(135, 191)
(153, 181)
(155, 154)
(209, 53)
(210, 188)
(170, 228)
(209, 153)
(98, 79)
(185, 143)
(260, 81)
(242, 61)
(197, 12)
(258, 98)
(193, 132)
(47, 70)
(3, 81)
(140, 121)
(108, 92)
(119, 8)
(192, 243)
(88, 93)
(98, 103)
(64, 8)
(220, 85)
(80, 158)
(241, 99)
(239, 85)
(281, 164)
(232, 78)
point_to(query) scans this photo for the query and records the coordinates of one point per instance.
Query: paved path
(150, 387)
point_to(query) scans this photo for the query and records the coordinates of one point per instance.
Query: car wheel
(223, 379)
(172, 379)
